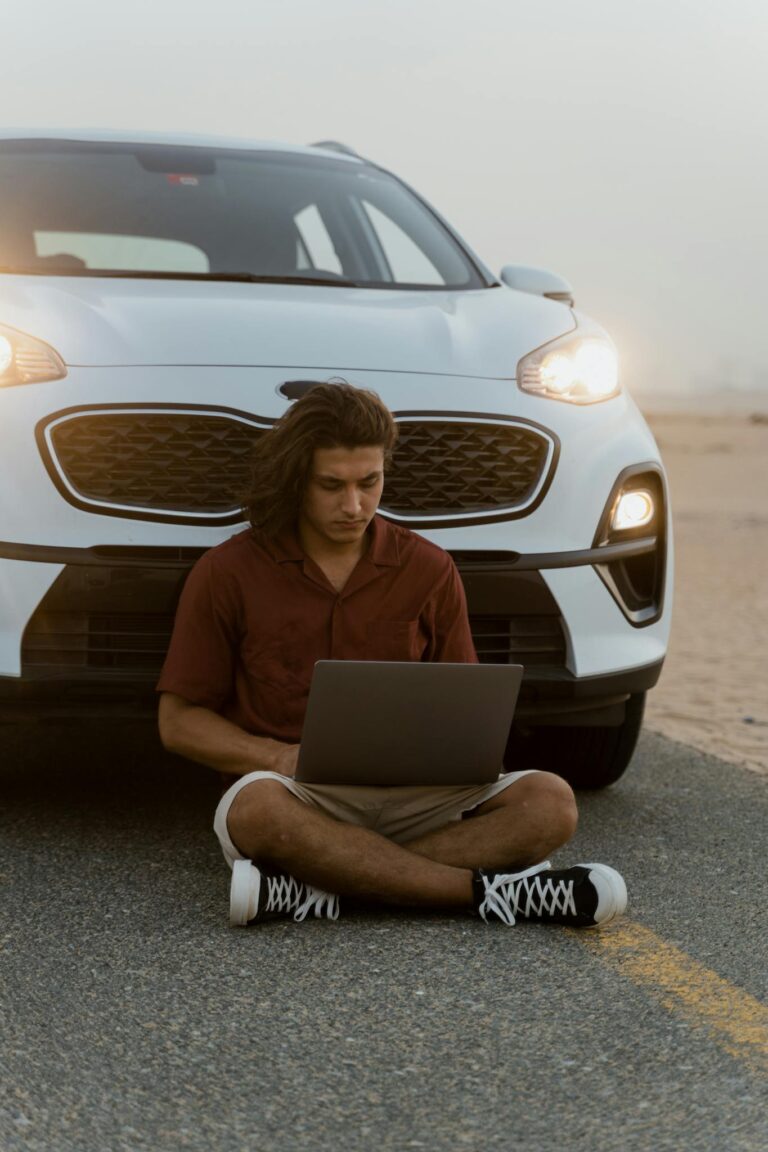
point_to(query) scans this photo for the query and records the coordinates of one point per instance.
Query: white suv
(164, 300)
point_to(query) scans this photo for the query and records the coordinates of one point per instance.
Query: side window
(123, 253)
(408, 263)
(318, 250)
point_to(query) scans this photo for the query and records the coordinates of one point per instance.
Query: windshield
(70, 208)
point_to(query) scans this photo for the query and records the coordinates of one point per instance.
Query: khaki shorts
(400, 814)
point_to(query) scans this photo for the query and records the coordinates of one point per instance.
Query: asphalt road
(132, 1017)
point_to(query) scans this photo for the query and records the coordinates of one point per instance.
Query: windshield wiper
(258, 278)
(231, 277)
(238, 277)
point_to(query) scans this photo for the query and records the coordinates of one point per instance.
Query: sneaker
(583, 896)
(255, 896)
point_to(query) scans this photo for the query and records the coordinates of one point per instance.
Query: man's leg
(519, 826)
(516, 828)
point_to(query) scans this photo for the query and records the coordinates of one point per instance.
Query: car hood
(126, 322)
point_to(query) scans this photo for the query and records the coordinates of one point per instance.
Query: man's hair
(328, 416)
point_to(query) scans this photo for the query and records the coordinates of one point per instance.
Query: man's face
(342, 495)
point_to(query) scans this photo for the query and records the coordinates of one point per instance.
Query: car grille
(190, 465)
(444, 467)
(122, 642)
(170, 461)
(98, 639)
(130, 642)
(524, 640)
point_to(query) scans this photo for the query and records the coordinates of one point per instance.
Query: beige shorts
(400, 814)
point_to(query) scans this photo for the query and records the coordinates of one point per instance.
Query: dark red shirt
(255, 614)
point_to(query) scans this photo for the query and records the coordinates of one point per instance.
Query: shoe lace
(530, 893)
(287, 894)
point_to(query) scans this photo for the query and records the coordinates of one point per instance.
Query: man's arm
(204, 736)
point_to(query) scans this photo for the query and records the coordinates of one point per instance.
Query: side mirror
(537, 281)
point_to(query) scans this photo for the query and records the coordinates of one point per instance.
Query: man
(320, 576)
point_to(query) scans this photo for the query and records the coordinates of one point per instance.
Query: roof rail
(335, 146)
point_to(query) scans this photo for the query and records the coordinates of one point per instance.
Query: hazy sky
(624, 145)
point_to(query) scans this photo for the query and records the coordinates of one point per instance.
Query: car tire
(585, 757)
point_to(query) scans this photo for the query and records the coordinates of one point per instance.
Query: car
(166, 298)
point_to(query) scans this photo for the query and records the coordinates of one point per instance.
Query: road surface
(132, 1017)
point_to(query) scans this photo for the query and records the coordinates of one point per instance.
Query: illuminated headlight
(580, 370)
(6, 355)
(633, 510)
(24, 360)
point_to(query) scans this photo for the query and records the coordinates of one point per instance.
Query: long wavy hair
(328, 416)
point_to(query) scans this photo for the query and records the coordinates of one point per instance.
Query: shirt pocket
(394, 640)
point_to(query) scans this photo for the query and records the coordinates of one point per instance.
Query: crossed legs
(517, 827)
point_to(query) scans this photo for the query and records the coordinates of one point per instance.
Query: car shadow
(102, 779)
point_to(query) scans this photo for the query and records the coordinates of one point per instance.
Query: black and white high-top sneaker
(255, 896)
(582, 897)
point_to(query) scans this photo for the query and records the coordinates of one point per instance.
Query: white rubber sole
(243, 893)
(611, 892)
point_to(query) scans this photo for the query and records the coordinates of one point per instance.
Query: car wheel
(585, 757)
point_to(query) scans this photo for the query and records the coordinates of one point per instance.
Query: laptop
(387, 723)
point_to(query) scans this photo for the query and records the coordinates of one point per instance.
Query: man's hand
(286, 759)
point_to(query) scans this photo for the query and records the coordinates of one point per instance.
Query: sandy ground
(713, 693)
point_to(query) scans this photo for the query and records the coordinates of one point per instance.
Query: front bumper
(99, 620)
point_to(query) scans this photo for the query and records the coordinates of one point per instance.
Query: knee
(254, 819)
(550, 798)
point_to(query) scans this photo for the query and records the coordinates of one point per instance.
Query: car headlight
(581, 370)
(24, 360)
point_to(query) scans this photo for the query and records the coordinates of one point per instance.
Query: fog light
(634, 510)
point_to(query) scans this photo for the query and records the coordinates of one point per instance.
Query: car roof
(180, 139)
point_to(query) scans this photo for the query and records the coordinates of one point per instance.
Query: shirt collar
(384, 551)
(284, 547)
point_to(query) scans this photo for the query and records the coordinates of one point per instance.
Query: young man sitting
(319, 575)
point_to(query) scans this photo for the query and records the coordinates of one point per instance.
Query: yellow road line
(734, 1019)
